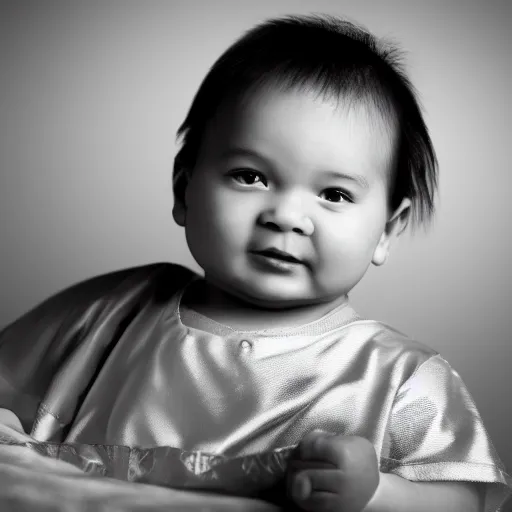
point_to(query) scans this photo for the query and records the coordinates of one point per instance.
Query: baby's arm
(32, 482)
(340, 474)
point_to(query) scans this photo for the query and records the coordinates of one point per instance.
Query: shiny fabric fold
(114, 374)
(256, 475)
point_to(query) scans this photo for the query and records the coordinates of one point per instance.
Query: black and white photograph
(254, 256)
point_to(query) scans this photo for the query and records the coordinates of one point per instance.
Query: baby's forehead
(301, 128)
(376, 113)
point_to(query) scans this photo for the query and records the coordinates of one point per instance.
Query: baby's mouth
(277, 254)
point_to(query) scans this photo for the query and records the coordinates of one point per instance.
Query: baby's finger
(315, 434)
(324, 488)
(318, 446)
(341, 451)
(317, 490)
(308, 481)
(322, 502)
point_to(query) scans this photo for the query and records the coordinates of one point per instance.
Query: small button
(245, 346)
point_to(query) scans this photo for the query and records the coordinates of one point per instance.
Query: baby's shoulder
(162, 279)
(391, 344)
(388, 337)
(126, 289)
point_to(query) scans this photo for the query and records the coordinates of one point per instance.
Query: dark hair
(336, 58)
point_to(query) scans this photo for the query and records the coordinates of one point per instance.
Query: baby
(304, 156)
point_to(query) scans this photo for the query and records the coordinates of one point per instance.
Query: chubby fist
(330, 473)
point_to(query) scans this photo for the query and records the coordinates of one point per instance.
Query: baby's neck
(241, 315)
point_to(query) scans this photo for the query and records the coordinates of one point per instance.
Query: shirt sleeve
(437, 434)
(71, 332)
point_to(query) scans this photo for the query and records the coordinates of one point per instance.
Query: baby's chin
(265, 300)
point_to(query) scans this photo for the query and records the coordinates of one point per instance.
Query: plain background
(91, 96)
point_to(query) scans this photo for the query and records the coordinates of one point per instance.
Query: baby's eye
(249, 177)
(335, 195)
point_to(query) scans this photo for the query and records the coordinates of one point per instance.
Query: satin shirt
(117, 361)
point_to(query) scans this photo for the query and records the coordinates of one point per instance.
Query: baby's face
(287, 204)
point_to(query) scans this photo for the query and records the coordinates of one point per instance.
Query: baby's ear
(179, 185)
(395, 226)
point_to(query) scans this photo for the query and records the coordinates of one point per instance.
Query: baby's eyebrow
(240, 151)
(357, 178)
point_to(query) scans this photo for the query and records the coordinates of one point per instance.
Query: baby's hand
(330, 473)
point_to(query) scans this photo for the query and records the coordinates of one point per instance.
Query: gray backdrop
(91, 95)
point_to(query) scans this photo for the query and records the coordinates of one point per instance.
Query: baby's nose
(288, 214)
